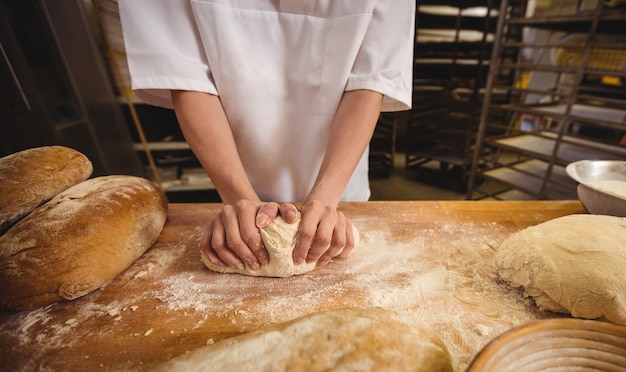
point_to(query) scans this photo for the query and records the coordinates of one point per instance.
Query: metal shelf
(179, 185)
(382, 146)
(163, 146)
(578, 112)
(609, 21)
(562, 109)
(462, 4)
(452, 50)
(530, 177)
(547, 146)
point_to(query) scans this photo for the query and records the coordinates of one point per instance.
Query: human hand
(268, 212)
(232, 238)
(325, 233)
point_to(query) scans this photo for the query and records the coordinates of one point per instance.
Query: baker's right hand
(232, 237)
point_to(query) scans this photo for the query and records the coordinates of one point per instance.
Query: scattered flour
(451, 288)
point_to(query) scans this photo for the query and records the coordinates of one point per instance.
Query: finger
(289, 212)
(311, 215)
(246, 216)
(330, 239)
(323, 237)
(266, 214)
(350, 241)
(207, 250)
(230, 259)
(234, 240)
(205, 242)
(338, 243)
(220, 247)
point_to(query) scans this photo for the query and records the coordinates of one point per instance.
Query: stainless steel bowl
(602, 185)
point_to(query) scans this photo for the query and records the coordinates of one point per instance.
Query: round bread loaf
(351, 339)
(30, 177)
(79, 240)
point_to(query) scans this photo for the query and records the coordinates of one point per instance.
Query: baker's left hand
(325, 233)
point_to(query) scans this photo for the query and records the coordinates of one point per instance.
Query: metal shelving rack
(157, 139)
(383, 145)
(568, 99)
(454, 40)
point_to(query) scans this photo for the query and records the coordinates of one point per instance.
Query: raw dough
(371, 339)
(574, 264)
(279, 238)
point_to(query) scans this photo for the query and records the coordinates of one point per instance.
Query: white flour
(451, 288)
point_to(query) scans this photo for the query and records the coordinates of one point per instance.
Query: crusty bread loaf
(30, 177)
(352, 339)
(79, 240)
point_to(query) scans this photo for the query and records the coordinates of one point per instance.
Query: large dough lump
(371, 339)
(574, 264)
(279, 238)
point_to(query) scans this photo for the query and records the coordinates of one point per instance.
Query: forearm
(206, 130)
(350, 134)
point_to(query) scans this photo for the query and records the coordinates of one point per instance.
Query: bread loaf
(79, 240)
(353, 339)
(30, 177)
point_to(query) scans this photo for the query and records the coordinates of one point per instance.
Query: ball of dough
(79, 240)
(279, 238)
(370, 339)
(33, 176)
(574, 264)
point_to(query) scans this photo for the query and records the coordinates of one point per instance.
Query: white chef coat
(280, 68)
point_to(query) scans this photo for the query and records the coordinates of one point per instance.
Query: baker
(278, 100)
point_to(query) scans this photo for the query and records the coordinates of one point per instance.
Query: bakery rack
(158, 140)
(568, 99)
(453, 44)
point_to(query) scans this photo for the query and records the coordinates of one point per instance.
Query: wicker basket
(562, 344)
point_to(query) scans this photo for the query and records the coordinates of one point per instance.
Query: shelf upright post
(494, 67)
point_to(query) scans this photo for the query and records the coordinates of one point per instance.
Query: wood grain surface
(432, 259)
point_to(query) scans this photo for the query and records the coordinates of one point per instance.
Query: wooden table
(433, 259)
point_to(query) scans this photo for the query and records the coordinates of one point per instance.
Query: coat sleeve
(385, 59)
(163, 49)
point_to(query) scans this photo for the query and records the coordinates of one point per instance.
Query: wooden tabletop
(432, 259)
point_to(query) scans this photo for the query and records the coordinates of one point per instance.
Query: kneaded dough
(352, 339)
(574, 264)
(279, 238)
